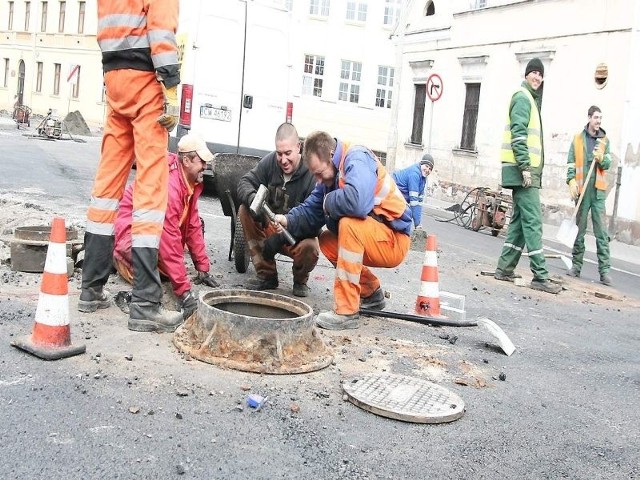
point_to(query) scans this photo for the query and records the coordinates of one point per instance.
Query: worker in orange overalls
(368, 223)
(141, 76)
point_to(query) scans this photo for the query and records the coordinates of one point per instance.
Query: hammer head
(258, 200)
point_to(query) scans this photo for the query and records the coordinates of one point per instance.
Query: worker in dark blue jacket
(412, 182)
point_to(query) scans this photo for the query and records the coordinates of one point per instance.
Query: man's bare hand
(280, 221)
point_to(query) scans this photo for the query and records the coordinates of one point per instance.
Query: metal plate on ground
(404, 398)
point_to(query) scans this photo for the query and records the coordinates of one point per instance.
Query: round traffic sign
(434, 87)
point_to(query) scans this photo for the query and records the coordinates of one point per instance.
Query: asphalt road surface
(564, 405)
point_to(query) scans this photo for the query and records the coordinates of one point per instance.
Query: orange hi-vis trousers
(360, 243)
(131, 132)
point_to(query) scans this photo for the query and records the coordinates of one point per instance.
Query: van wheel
(240, 249)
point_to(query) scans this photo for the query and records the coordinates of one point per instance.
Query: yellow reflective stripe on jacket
(579, 150)
(534, 143)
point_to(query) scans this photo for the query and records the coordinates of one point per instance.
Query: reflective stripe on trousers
(131, 132)
(360, 243)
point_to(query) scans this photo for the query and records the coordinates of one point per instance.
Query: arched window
(429, 9)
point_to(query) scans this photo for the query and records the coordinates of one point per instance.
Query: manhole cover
(404, 398)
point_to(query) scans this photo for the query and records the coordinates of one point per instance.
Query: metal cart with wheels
(228, 168)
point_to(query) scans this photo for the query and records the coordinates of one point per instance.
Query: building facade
(50, 58)
(479, 49)
(341, 73)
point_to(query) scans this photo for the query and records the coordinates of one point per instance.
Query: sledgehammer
(259, 205)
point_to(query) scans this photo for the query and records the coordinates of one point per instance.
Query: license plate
(214, 113)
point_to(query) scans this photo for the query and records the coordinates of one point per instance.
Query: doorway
(21, 75)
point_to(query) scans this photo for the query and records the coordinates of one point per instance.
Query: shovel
(568, 228)
(505, 343)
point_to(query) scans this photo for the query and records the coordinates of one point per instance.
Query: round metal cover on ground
(253, 331)
(404, 398)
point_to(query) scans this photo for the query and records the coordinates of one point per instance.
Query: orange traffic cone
(51, 336)
(428, 301)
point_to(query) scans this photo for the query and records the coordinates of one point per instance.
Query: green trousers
(593, 201)
(525, 229)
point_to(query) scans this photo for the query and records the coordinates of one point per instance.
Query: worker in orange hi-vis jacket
(141, 77)
(368, 223)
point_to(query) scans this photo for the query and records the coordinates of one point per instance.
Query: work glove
(574, 189)
(598, 156)
(526, 178)
(188, 304)
(203, 278)
(169, 119)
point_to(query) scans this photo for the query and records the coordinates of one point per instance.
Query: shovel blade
(505, 344)
(567, 233)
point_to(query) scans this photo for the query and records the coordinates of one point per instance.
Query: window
(56, 79)
(75, 92)
(39, 66)
(382, 156)
(430, 9)
(479, 4)
(357, 11)
(288, 5)
(418, 114)
(470, 118)
(63, 11)
(385, 86)
(313, 75)
(27, 15)
(6, 73)
(43, 18)
(391, 11)
(350, 73)
(81, 12)
(10, 23)
(319, 7)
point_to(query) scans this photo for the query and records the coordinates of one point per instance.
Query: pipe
(425, 320)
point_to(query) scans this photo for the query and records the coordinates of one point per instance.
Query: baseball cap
(193, 142)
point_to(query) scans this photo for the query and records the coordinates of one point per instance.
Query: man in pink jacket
(182, 225)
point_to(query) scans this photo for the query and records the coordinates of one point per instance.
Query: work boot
(300, 289)
(92, 299)
(506, 277)
(605, 279)
(375, 301)
(270, 283)
(574, 272)
(545, 286)
(335, 321)
(152, 317)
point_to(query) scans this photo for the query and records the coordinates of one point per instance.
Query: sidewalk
(619, 251)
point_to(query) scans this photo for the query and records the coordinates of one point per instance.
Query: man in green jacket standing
(522, 164)
(589, 145)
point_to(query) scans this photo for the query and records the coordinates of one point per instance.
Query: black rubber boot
(96, 268)
(146, 278)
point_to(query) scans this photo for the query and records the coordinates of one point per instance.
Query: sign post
(434, 92)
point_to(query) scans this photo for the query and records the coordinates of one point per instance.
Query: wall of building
(336, 39)
(68, 48)
(492, 46)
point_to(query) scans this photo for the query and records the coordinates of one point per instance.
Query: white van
(235, 73)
